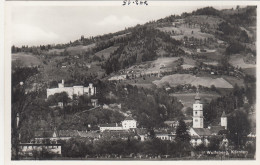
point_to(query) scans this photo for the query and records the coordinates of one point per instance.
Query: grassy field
(238, 61)
(234, 80)
(55, 51)
(79, 49)
(26, 59)
(211, 20)
(214, 63)
(106, 52)
(182, 31)
(159, 65)
(181, 79)
(141, 82)
(188, 63)
(188, 98)
(250, 71)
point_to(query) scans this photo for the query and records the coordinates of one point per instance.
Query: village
(51, 141)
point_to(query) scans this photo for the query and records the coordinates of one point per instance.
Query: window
(196, 112)
(196, 120)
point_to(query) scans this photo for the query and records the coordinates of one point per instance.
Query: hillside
(206, 47)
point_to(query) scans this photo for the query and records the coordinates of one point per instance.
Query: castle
(75, 90)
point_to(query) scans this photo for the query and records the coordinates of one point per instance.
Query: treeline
(238, 98)
(123, 148)
(141, 46)
(237, 105)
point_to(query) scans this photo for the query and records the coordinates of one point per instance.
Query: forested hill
(225, 32)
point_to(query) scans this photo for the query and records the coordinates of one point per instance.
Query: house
(117, 78)
(142, 133)
(128, 123)
(199, 136)
(93, 135)
(172, 123)
(110, 126)
(119, 134)
(28, 149)
(40, 136)
(75, 90)
(165, 136)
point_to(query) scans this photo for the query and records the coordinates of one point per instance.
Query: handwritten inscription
(134, 2)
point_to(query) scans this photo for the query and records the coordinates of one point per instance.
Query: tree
(21, 100)
(238, 127)
(214, 143)
(182, 134)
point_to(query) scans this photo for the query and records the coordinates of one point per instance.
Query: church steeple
(197, 112)
(197, 97)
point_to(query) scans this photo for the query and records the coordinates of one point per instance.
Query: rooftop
(111, 125)
(202, 131)
(223, 114)
(129, 118)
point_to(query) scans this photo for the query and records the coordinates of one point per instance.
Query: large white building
(128, 123)
(75, 90)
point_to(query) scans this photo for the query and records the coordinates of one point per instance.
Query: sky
(35, 25)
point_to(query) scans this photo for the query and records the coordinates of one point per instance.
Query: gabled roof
(129, 118)
(117, 134)
(216, 129)
(111, 125)
(90, 134)
(43, 134)
(68, 133)
(202, 131)
(171, 122)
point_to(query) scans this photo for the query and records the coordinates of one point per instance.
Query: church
(199, 134)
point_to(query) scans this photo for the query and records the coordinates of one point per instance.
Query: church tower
(223, 119)
(198, 112)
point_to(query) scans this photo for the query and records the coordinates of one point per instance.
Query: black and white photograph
(131, 80)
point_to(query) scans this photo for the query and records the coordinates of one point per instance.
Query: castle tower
(223, 119)
(198, 112)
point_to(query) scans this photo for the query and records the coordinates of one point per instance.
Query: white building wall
(110, 128)
(198, 122)
(127, 124)
(77, 90)
(198, 107)
(52, 148)
(223, 122)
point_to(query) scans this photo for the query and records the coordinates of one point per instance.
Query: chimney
(62, 81)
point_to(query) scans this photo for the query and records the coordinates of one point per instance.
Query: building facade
(28, 149)
(128, 123)
(75, 90)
